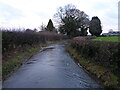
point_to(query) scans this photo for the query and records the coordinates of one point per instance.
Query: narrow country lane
(51, 68)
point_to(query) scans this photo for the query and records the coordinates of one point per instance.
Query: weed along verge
(20, 58)
(107, 78)
(20, 45)
(104, 70)
(16, 61)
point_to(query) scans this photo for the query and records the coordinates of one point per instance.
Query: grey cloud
(8, 12)
(100, 6)
(112, 15)
(43, 15)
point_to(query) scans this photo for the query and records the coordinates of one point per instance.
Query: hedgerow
(14, 38)
(104, 53)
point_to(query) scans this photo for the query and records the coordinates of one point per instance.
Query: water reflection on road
(51, 68)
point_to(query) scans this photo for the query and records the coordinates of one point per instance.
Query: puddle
(47, 48)
(34, 60)
(30, 62)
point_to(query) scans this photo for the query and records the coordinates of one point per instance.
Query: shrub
(14, 38)
(95, 26)
(104, 53)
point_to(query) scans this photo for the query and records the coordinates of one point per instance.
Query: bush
(95, 26)
(104, 53)
(12, 39)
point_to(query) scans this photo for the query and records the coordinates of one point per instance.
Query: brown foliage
(105, 53)
(12, 39)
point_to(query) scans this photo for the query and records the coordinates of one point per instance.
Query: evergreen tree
(95, 26)
(72, 20)
(50, 26)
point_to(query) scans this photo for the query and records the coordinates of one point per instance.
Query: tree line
(74, 22)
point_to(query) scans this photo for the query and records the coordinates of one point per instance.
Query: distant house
(29, 30)
(112, 33)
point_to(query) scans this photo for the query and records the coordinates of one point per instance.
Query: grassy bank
(107, 78)
(98, 57)
(20, 58)
(108, 39)
(14, 62)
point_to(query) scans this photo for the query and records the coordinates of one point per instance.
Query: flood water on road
(51, 68)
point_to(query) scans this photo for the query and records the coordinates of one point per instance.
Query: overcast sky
(32, 13)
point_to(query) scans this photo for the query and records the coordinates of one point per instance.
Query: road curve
(51, 68)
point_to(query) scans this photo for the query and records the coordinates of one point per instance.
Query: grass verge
(108, 79)
(108, 39)
(15, 62)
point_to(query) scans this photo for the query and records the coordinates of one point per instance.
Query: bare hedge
(15, 38)
(104, 53)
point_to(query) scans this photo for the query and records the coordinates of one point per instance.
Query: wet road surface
(50, 68)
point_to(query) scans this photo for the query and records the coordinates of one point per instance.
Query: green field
(108, 39)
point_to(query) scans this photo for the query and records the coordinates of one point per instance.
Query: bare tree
(70, 19)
